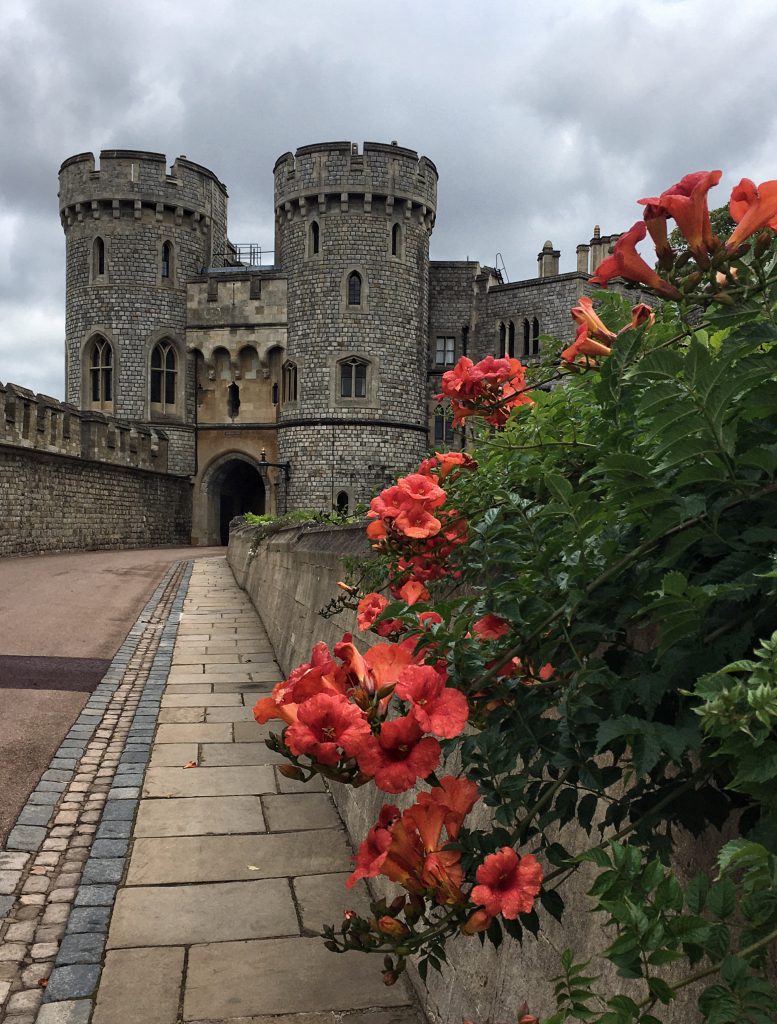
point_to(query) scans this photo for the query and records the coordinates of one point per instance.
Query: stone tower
(135, 234)
(352, 237)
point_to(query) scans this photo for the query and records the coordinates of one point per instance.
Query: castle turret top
(336, 168)
(130, 174)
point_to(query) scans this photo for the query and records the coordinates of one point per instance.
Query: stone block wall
(72, 480)
(289, 577)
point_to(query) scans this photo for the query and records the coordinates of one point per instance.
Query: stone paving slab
(178, 915)
(321, 899)
(174, 755)
(121, 999)
(227, 781)
(224, 857)
(280, 976)
(300, 811)
(201, 700)
(199, 816)
(217, 732)
(213, 755)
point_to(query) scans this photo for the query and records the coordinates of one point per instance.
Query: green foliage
(626, 529)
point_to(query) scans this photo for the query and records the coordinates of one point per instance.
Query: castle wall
(374, 214)
(71, 480)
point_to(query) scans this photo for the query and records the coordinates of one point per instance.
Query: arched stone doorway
(231, 486)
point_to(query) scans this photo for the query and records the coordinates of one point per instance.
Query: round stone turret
(352, 236)
(134, 234)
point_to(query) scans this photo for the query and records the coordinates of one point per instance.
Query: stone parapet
(30, 421)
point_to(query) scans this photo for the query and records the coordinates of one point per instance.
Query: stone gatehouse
(302, 377)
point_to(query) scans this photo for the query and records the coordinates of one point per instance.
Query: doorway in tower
(232, 486)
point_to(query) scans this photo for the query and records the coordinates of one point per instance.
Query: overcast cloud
(542, 118)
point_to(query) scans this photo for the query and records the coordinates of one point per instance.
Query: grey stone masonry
(352, 236)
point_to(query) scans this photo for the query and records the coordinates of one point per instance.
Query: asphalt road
(62, 619)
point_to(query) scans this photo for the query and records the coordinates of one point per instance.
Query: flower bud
(292, 772)
(390, 977)
(390, 926)
(691, 281)
(723, 299)
(476, 922)
(763, 242)
(397, 905)
(347, 588)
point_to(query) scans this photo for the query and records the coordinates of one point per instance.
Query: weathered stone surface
(323, 898)
(281, 976)
(204, 700)
(223, 754)
(199, 816)
(215, 733)
(164, 782)
(222, 858)
(120, 999)
(74, 982)
(174, 755)
(183, 914)
(69, 1012)
(287, 812)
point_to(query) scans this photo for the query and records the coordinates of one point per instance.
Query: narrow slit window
(233, 400)
(98, 258)
(535, 343)
(315, 238)
(511, 340)
(526, 338)
(167, 259)
(396, 240)
(502, 340)
(289, 380)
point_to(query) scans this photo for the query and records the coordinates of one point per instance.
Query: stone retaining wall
(290, 576)
(55, 502)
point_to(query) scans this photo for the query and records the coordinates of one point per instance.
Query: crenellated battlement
(132, 181)
(333, 175)
(45, 424)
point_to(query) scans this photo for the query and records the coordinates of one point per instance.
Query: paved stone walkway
(225, 871)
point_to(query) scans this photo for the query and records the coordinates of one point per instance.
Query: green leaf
(661, 990)
(722, 899)
(696, 893)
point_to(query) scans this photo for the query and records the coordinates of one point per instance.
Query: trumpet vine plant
(582, 608)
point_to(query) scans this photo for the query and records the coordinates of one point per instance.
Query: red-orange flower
(478, 921)
(369, 609)
(441, 464)
(457, 797)
(642, 316)
(687, 203)
(436, 707)
(585, 315)
(413, 591)
(752, 208)
(626, 262)
(584, 346)
(374, 849)
(491, 627)
(399, 755)
(508, 884)
(326, 725)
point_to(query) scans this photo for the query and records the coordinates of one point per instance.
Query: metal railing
(247, 254)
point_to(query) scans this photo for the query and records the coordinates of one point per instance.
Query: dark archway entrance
(238, 489)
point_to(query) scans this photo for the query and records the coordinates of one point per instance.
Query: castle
(305, 382)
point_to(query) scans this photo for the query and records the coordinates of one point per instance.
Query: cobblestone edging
(67, 852)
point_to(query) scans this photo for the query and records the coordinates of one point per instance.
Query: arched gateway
(231, 486)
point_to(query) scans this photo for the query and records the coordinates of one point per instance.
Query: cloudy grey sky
(543, 118)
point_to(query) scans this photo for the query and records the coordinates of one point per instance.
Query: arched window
(353, 378)
(535, 336)
(396, 240)
(98, 257)
(315, 238)
(510, 340)
(354, 288)
(289, 379)
(275, 394)
(341, 503)
(502, 340)
(167, 259)
(248, 360)
(164, 371)
(526, 338)
(222, 364)
(101, 373)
